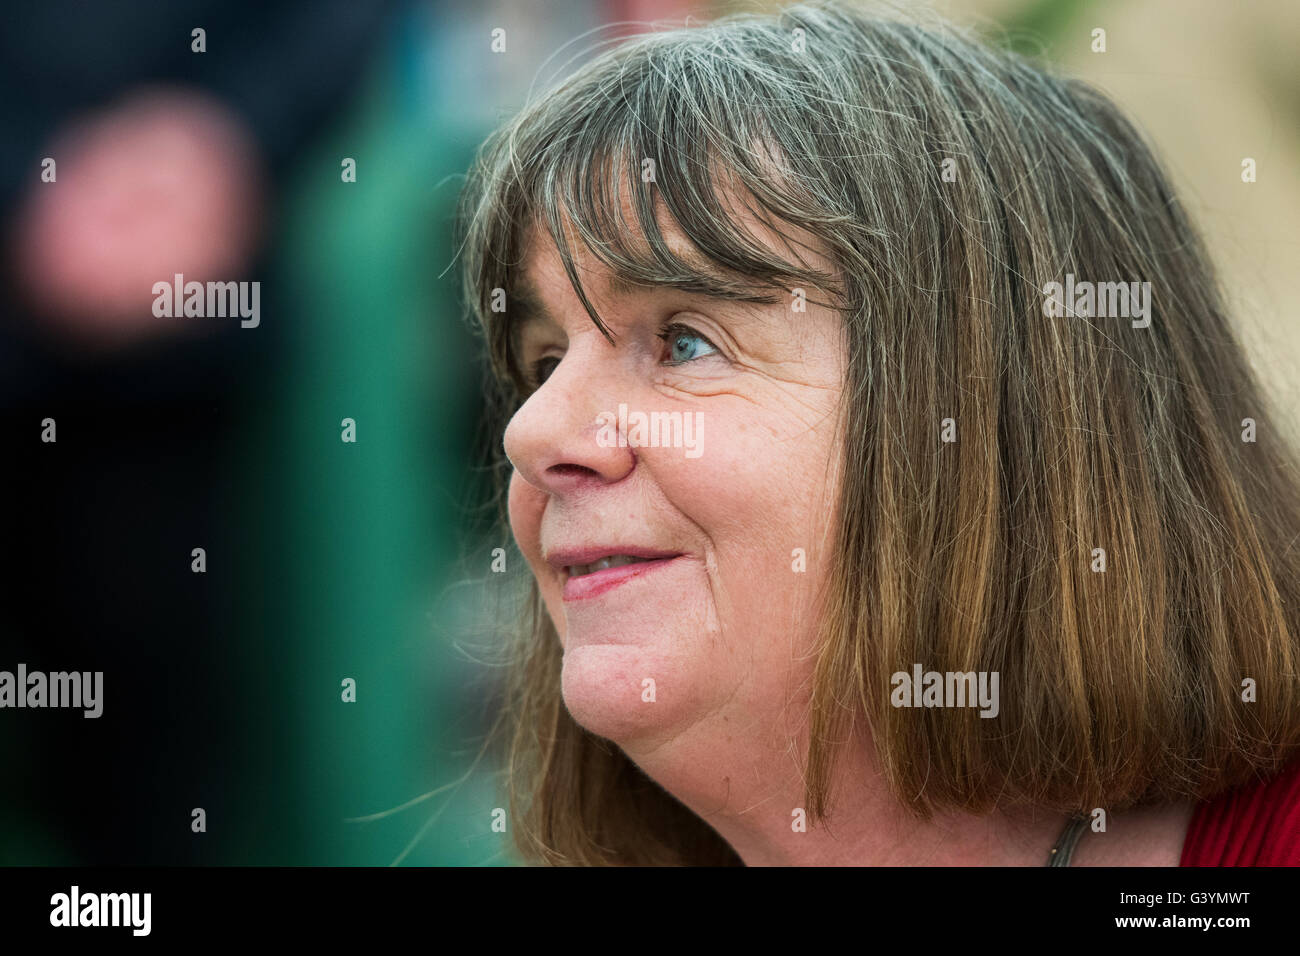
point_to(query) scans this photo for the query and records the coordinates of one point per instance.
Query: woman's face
(710, 637)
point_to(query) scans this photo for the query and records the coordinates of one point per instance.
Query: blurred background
(370, 560)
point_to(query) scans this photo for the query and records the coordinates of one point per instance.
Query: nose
(555, 440)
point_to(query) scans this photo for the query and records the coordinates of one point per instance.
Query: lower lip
(592, 585)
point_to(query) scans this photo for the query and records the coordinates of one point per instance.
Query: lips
(591, 571)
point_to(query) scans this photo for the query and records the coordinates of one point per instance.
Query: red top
(1252, 825)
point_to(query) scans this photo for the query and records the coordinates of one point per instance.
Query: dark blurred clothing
(99, 526)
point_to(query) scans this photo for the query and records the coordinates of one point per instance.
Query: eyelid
(528, 366)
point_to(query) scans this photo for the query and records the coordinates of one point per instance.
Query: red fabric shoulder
(1251, 825)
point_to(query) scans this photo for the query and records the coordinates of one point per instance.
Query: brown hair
(1075, 431)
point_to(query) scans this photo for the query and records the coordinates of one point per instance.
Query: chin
(603, 689)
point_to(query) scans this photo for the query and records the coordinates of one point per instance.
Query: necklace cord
(1064, 849)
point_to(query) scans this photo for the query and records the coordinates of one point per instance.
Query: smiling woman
(829, 239)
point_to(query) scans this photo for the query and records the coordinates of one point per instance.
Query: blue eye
(685, 344)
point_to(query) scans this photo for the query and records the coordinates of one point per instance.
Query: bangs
(601, 166)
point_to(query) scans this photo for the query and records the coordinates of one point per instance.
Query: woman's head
(816, 251)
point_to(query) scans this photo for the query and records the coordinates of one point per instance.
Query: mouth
(588, 573)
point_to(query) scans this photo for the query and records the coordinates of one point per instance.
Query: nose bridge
(552, 440)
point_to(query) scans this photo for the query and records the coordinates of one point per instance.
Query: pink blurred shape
(166, 181)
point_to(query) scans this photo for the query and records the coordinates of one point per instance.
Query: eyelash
(665, 333)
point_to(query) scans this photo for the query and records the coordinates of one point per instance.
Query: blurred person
(165, 182)
(164, 142)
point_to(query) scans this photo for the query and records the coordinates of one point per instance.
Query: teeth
(613, 561)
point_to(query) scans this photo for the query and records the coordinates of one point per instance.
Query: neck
(749, 795)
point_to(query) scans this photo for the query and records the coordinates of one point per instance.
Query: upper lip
(564, 558)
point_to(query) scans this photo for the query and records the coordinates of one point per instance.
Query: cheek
(763, 492)
(760, 488)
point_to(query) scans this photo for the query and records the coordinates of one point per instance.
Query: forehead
(541, 277)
